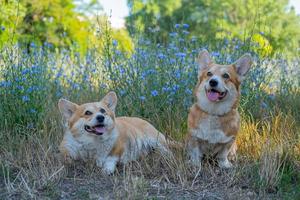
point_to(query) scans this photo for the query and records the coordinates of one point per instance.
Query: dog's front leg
(69, 149)
(109, 164)
(194, 152)
(222, 156)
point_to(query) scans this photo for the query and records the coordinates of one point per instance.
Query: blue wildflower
(32, 44)
(25, 71)
(264, 105)
(103, 86)
(177, 74)
(115, 43)
(122, 70)
(177, 26)
(32, 88)
(172, 61)
(175, 87)
(5, 83)
(25, 98)
(173, 34)
(2, 28)
(154, 93)
(185, 25)
(185, 32)
(161, 56)
(215, 54)
(188, 91)
(142, 98)
(166, 89)
(180, 55)
(32, 110)
(20, 87)
(272, 97)
(122, 92)
(76, 86)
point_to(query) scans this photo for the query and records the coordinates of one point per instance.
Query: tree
(51, 21)
(272, 24)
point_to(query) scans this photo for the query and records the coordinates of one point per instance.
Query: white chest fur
(88, 146)
(210, 130)
(82, 147)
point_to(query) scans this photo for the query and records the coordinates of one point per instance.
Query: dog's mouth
(99, 129)
(215, 95)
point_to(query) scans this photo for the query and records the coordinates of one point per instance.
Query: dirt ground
(149, 179)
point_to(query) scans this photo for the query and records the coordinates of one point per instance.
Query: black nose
(100, 118)
(213, 83)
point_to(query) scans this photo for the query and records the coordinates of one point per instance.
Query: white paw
(109, 165)
(224, 163)
(109, 170)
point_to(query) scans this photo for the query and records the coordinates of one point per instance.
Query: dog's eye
(226, 76)
(102, 110)
(88, 112)
(209, 74)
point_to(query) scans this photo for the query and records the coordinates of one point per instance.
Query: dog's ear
(203, 60)
(243, 64)
(67, 108)
(110, 100)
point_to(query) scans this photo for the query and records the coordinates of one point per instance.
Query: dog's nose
(213, 83)
(100, 118)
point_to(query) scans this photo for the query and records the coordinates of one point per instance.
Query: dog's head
(94, 119)
(218, 87)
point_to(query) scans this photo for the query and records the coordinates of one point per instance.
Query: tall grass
(155, 82)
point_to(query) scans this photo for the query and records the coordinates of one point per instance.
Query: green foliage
(51, 21)
(12, 12)
(270, 23)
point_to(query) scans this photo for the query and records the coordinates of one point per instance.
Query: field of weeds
(154, 82)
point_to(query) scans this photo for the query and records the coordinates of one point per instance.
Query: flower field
(155, 81)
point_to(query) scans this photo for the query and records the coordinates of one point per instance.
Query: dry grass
(31, 169)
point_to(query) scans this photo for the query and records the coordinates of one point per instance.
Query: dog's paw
(109, 165)
(225, 164)
(108, 171)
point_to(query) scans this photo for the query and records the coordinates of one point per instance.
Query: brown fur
(211, 133)
(121, 140)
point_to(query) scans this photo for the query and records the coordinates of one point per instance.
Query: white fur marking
(110, 163)
(209, 130)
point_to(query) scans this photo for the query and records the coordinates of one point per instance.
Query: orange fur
(214, 125)
(115, 139)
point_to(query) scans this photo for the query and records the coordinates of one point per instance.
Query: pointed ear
(67, 108)
(110, 100)
(203, 60)
(243, 64)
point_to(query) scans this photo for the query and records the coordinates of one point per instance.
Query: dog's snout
(100, 118)
(213, 83)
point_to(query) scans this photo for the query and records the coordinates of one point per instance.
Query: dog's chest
(210, 129)
(88, 146)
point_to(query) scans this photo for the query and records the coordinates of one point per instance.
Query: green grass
(154, 83)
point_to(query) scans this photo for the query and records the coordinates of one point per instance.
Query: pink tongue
(100, 129)
(213, 96)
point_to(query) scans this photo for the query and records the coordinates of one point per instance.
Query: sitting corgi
(93, 132)
(213, 121)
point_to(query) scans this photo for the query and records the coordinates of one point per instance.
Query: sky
(118, 10)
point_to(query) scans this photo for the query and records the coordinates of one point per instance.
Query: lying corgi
(213, 121)
(93, 132)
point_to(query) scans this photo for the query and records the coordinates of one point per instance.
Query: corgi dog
(94, 132)
(214, 121)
